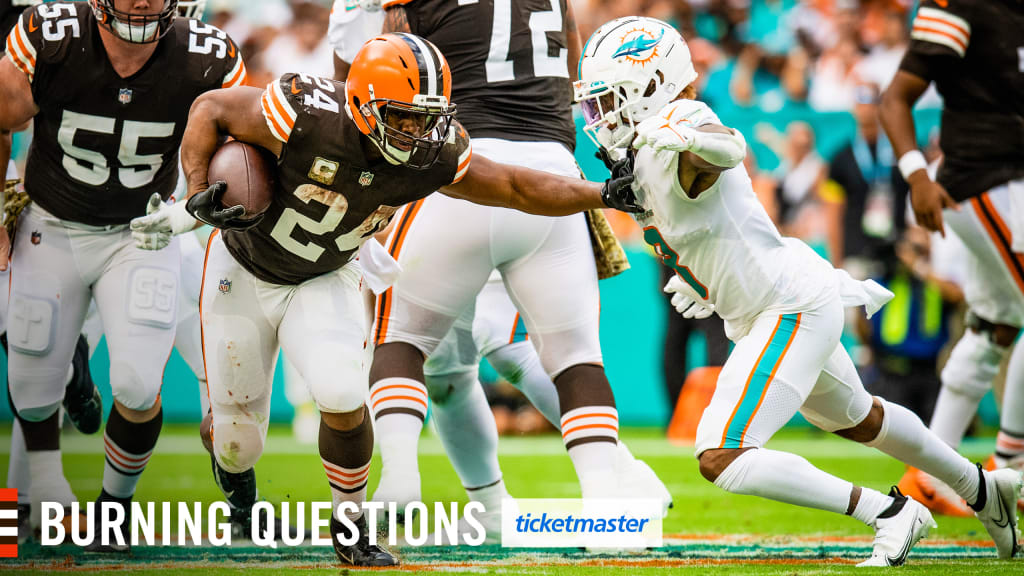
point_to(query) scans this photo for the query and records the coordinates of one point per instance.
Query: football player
(349, 155)
(108, 85)
(971, 50)
(514, 100)
(782, 304)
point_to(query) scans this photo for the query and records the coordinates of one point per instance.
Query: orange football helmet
(397, 93)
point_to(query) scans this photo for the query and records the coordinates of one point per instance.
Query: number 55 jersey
(104, 143)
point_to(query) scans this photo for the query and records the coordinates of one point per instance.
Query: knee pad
(340, 385)
(973, 364)
(130, 389)
(153, 297)
(38, 413)
(237, 445)
(559, 351)
(514, 361)
(31, 324)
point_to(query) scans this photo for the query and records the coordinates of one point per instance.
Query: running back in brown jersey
(332, 195)
(103, 144)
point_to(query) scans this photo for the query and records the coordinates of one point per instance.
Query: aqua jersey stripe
(759, 380)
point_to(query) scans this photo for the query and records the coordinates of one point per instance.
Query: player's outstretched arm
(17, 106)
(494, 184)
(928, 198)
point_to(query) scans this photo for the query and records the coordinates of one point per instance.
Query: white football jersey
(723, 244)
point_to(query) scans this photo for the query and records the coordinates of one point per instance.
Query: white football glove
(661, 134)
(685, 303)
(161, 223)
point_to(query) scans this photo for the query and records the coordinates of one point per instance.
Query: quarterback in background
(782, 304)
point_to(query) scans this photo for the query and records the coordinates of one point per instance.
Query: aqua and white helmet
(631, 68)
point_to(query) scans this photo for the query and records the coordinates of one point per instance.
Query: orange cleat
(934, 494)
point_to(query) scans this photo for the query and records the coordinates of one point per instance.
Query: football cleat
(400, 489)
(933, 494)
(996, 507)
(897, 529)
(82, 400)
(124, 528)
(362, 553)
(1015, 463)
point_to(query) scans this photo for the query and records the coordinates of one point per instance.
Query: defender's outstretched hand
(206, 208)
(161, 223)
(617, 191)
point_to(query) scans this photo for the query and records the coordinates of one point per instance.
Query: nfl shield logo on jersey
(365, 179)
(225, 286)
(37, 237)
(124, 96)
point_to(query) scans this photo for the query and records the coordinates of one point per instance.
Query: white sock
(19, 476)
(49, 482)
(591, 436)
(466, 426)
(871, 504)
(785, 477)
(399, 407)
(519, 364)
(490, 496)
(904, 437)
(966, 378)
(1010, 442)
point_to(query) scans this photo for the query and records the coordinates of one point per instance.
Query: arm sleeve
(462, 150)
(939, 38)
(25, 41)
(279, 109)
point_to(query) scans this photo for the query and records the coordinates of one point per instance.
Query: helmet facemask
(430, 117)
(611, 112)
(136, 28)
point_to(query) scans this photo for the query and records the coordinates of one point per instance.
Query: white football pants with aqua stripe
(786, 363)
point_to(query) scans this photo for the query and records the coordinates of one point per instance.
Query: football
(249, 173)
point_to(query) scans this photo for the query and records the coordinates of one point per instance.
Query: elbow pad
(724, 150)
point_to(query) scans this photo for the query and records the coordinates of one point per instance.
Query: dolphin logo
(638, 45)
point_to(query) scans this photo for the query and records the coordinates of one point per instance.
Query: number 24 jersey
(103, 144)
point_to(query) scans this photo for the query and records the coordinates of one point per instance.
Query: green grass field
(708, 530)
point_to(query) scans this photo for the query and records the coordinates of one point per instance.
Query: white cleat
(400, 489)
(898, 529)
(998, 493)
(636, 478)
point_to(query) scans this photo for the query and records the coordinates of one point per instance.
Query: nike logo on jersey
(942, 3)
(231, 49)
(295, 90)
(638, 45)
(32, 23)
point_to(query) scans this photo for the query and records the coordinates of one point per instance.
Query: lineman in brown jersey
(291, 281)
(108, 85)
(974, 52)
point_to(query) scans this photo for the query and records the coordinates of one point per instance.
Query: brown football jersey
(333, 190)
(104, 144)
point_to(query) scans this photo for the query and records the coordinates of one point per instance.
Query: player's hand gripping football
(684, 302)
(206, 208)
(161, 223)
(928, 199)
(617, 191)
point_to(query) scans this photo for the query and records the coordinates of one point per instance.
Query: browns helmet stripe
(425, 62)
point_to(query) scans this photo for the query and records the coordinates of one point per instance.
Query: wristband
(912, 162)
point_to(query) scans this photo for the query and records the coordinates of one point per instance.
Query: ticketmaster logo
(573, 523)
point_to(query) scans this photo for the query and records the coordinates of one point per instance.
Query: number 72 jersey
(103, 144)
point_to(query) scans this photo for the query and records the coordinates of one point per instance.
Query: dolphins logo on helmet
(640, 48)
